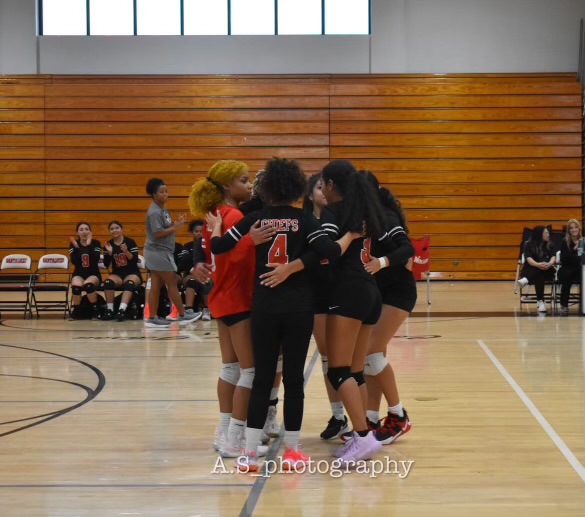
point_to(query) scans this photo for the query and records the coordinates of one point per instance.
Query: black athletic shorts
(86, 274)
(401, 293)
(232, 319)
(356, 299)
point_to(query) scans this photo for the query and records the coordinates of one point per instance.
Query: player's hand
(74, 242)
(373, 266)
(277, 276)
(213, 221)
(89, 239)
(261, 235)
(202, 272)
(355, 235)
(123, 247)
(108, 247)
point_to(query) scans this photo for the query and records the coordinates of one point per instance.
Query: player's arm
(227, 242)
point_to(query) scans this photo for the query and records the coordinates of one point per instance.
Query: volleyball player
(195, 292)
(158, 253)
(122, 253)
(282, 313)
(179, 255)
(85, 253)
(313, 202)
(393, 273)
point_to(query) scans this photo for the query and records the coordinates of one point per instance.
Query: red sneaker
(393, 428)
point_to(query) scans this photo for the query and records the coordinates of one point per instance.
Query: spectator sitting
(570, 271)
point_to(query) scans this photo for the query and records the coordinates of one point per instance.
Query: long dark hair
(387, 198)
(536, 243)
(361, 202)
(308, 205)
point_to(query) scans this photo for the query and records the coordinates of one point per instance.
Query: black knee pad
(89, 288)
(109, 285)
(337, 376)
(129, 285)
(192, 284)
(76, 290)
(359, 377)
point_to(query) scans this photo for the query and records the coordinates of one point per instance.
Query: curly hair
(282, 182)
(207, 193)
(194, 223)
(153, 185)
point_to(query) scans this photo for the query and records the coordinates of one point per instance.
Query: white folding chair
(16, 277)
(52, 276)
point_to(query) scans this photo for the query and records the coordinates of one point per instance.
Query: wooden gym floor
(106, 419)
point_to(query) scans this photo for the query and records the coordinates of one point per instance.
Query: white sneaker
(218, 439)
(234, 449)
(206, 315)
(271, 427)
(541, 306)
(189, 317)
(523, 282)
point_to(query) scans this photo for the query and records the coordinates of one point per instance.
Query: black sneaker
(394, 427)
(95, 311)
(109, 315)
(121, 316)
(335, 428)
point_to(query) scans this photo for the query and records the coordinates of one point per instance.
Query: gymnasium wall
(473, 158)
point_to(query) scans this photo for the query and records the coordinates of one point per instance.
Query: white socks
(291, 439)
(274, 393)
(396, 410)
(224, 422)
(373, 416)
(337, 410)
(253, 437)
(123, 306)
(110, 306)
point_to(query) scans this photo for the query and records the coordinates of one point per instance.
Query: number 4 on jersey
(278, 253)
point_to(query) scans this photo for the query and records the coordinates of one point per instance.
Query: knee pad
(246, 377)
(76, 290)
(89, 288)
(279, 364)
(375, 363)
(230, 372)
(359, 377)
(324, 364)
(337, 376)
(129, 285)
(192, 284)
(109, 285)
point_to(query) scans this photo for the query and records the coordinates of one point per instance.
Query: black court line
(90, 393)
(258, 486)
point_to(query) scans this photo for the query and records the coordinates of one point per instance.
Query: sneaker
(74, 312)
(564, 311)
(108, 315)
(361, 448)
(247, 462)
(206, 315)
(95, 312)
(271, 427)
(218, 438)
(335, 428)
(393, 428)
(523, 282)
(340, 451)
(121, 315)
(146, 312)
(188, 317)
(264, 439)
(174, 315)
(234, 449)
(541, 306)
(292, 459)
(157, 323)
(372, 426)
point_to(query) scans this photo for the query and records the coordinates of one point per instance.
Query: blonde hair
(568, 237)
(207, 193)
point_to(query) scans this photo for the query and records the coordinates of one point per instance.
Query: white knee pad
(324, 364)
(230, 372)
(279, 364)
(375, 363)
(246, 377)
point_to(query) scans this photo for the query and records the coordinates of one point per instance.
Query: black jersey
(395, 245)
(86, 259)
(121, 264)
(178, 255)
(187, 258)
(296, 232)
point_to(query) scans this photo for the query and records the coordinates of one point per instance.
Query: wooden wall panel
(473, 157)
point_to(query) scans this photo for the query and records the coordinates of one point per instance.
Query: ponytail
(362, 205)
(387, 198)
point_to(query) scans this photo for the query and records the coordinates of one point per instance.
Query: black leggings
(537, 277)
(271, 333)
(568, 276)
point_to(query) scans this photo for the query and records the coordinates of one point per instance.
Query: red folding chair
(421, 266)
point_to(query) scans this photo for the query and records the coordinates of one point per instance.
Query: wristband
(383, 262)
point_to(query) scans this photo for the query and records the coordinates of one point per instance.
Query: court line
(557, 440)
(256, 491)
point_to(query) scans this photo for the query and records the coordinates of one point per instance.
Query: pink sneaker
(361, 448)
(340, 451)
(291, 459)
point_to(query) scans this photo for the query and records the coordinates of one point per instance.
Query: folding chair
(421, 266)
(48, 278)
(16, 277)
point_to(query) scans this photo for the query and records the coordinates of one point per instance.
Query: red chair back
(422, 257)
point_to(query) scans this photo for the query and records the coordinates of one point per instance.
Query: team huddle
(339, 268)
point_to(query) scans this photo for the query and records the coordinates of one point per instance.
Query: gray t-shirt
(158, 219)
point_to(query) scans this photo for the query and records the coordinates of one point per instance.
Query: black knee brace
(76, 290)
(89, 288)
(359, 377)
(109, 285)
(129, 285)
(337, 376)
(192, 284)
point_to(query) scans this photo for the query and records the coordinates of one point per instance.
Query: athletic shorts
(359, 300)
(232, 319)
(400, 294)
(85, 275)
(321, 305)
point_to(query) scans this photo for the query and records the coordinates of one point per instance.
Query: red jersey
(233, 272)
